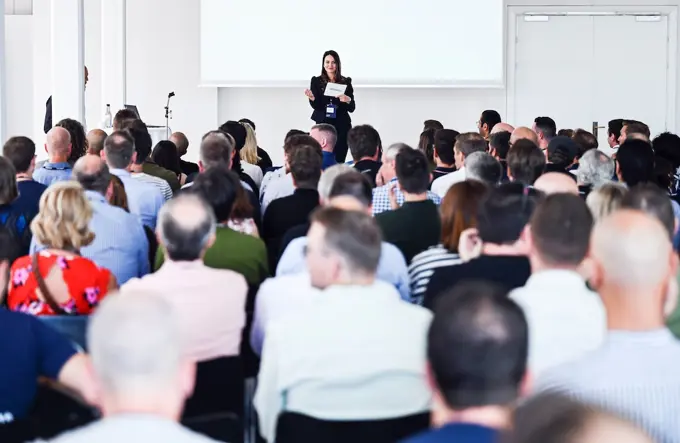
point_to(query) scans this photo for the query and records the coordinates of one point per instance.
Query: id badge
(331, 111)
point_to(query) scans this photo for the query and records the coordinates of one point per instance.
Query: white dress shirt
(441, 185)
(278, 186)
(354, 353)
(253, 172)
(610, 151)
(566, 319)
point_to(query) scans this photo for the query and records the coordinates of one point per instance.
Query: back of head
(181, 141)
(363, 141)
(635, 160)
(605, 199)
(556, 183)
(444, 141)
(470, 142)
(481, 166)
(523, 133)
(305, 164)
(58, 141)
(459, 210)
(122, 117)
(637, 130)
(166, 155)
(490, 118)
(595, 168)
(297, 141)
(328, 132)
(119, 148)
(78, 138)
(95, 141)
(92, 174)
(353, 184)
(562, 151)
(560, 230)
(653, 201)
(503, 127)
(472, 320)
(140, 133)
(413, 171)
(426, 145)
(8, 182)
(249, 122)
(218, 187)
(135, 345)
(328, 177)
(216, 149)
(293, 132)
(237, 131)
(500, 143)
(20, 151)
(432, 124)
(546, 126)
(667, 145)
(186, 226)
(504, 213)
(585, 141)
(565, 133)
(526, 162)
(614, 128)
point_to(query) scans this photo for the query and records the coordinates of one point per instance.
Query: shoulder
(246, 242)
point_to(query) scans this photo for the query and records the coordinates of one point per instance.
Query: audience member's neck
(414, 197)
(441, 164)
(366, 159)
(308, 187)
(328, 148)
(143, 403)
(538, 265)
(355, 280)
(633, 309)
(58, 158)
(496, 249)
(494, 417)
(24, 176)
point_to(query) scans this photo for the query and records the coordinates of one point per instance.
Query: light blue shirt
(144, 199)
(392, 267)
(50, 173)
(120, 244)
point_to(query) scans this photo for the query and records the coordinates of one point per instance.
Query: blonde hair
(249, 151)
(605, 199)
(64, 217)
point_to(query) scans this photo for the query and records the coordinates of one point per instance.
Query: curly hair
(64, 217)
(78, 138)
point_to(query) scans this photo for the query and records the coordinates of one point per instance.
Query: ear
(201, 168)
(134, 158)
(211, 241)
(102, 154)
(596, 274)
(435, 155)
(671, 301)
(46, 149)
(527, 238)
(526, 385)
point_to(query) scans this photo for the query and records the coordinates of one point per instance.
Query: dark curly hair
(78, 138)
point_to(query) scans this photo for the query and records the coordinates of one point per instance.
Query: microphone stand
(168, 116)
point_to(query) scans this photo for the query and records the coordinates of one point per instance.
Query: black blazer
(321, 101)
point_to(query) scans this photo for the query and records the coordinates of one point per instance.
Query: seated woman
(166, 155)
(58, 280)
(241, 219)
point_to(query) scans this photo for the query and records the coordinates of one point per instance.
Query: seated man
(279, 183)
(444, 156)
(182, 142)
(143, 142)
(141, 372)
(95, 141)
(382, 378)
(465, 145)
(526, 162)
(210, 303)
(365, 146)
(416, 225)
(57, 167)
(327, 136)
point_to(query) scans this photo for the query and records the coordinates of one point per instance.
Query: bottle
(108, 118)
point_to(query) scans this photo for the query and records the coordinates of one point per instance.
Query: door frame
(516, 11)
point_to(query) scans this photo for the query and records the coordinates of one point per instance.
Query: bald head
(92, 173)
(523, 132)
(186, 228)
(95, 141)
(502, 127)
(181, 141)
(632, 250)
(556, 183)
(58, 143)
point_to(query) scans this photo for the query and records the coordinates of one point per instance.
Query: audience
(166, 156)
(556, 183)
(667, 146)
(122, 117)
(606, 199)
(95, 141)
(57, 167)
(145, 199)
(635, 162)
(279, 183)
(635, 130)
(632, 373)
(614, 128)
(595, 169)
(563, 153)
(502, 127)
(245, 171)
(526, 162)
(497, 248)
(466, 144)
(77, 136)
(483, 167)
(488, 120)
(365, 146)
(458, 213)
(566, 132)
(249, 155)
(242, 215)
(182, 142)
(327, 136)
(566, 319)
(209, 303)
(523, 133)
(263, 159)
(311, 361)
(58, 280)
(142, 138)
(432, 124)
(415, 225)
(426, 145)
(585, 141)
(443, 152)
(546, 129)
(477, 365)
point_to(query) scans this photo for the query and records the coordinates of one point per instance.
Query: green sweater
(238, 252)
(151, 168)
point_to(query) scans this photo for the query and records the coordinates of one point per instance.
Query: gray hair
(595, 168)
(216, 148)
(135, 344)
(391, 152)
(97, 180)
(186, 224)
(328, 178)
(330, 132)
(119, 148)
(483, 167)
(606, 199)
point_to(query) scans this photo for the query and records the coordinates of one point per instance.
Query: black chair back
(73, 327)
(299, 428)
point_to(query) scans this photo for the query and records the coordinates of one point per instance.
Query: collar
(59, 166)
(444, 169)
(94, 196)
(183, 265)
(120, 172)
(327, 154)
(654, 337)
(306, 191)
(551, 278)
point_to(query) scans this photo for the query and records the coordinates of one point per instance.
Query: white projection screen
(383, 43)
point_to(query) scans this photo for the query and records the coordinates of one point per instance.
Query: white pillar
(3, 77)
(113, 69)
(68, 54)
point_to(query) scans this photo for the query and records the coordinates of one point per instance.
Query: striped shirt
(381, 197)
(422, 267)
(634, 374)
(161, 184)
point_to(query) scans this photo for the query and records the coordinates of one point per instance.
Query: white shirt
(441, 185)
(566, 319)
(253, 171)
(354, 353)
(278, 186)
(608, 149)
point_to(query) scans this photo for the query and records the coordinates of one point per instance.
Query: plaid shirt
(381, 197)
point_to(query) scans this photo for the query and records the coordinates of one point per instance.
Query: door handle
(596, 128)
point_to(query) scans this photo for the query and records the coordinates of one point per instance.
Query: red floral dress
(87, 284)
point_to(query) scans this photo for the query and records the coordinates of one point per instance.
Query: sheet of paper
(334, 89)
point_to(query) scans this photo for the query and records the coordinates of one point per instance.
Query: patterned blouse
(87, 284)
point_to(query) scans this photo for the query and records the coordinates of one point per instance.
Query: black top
(369, 168)
(283, 214)
(412, 228)
(47, 125)
(321, 101)
(188, 168)
(17, 216)
(509, 271)
(440, 171)
(264, 162)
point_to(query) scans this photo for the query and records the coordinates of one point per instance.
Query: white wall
(19, 43)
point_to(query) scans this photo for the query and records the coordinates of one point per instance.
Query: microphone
(172, 94)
